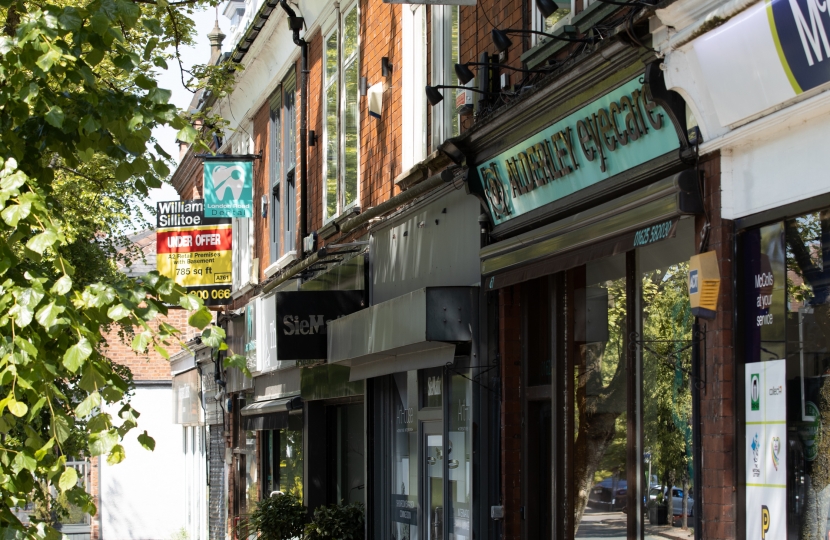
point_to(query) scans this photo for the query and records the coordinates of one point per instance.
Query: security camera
(219, 394)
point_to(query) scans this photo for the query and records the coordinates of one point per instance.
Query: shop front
(415, 351)
(594, 216)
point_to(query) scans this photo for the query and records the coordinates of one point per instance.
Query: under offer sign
(195, 251)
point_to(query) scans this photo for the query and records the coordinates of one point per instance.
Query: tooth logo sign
(229, 191)
(224, 178)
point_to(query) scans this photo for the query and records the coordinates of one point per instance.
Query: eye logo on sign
(229, 189)
(765, 521)
(775, 446)
(755, 393)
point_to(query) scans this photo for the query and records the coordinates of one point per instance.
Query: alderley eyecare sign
(764, 56)
(195, 251)
(614, 133)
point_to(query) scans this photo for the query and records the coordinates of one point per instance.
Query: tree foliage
(79, 103)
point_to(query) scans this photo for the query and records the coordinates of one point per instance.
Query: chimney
(216, 38)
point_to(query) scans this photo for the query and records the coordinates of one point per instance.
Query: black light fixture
(465, 74)
(435, 97)
(546, 7)
(502, 42)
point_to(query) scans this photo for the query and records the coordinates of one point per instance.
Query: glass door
(432, 465)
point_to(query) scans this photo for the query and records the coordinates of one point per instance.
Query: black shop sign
(302, 317)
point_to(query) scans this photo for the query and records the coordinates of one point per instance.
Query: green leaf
(48, 314)
(62, 285)
(201, 318)
(23, 460)
(76, 354)
(60, 428)
(55, 116)
(213, 336)
(18, 408)
(14, 213)
(86, 406)
(101, 443)
(116, 455)
(146, 441)
(47, 60)
(187, 134)
(92, 381)
(70, 19)
(68, 479)
(118, 312)
(40, 242)
(123, 171)
(189, 302)
(141, 341)
(162, 351)
(94, 57)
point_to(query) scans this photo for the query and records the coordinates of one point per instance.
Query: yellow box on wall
(704, 284)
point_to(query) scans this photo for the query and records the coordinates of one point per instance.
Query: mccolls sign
(602, 139)
(302, 318)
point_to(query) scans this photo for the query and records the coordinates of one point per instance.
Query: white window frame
(342, 65)
(413, 81)
(443, 71)
(243, 229)
(538, 21)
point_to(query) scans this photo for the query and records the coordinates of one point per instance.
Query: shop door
(432, 465)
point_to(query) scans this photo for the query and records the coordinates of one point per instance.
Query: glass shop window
(250, 468)
(347, 453)
(459, 456)
(404, 471)
(282, 459)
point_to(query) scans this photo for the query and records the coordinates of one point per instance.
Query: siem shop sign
(303, 317)
(614, 133)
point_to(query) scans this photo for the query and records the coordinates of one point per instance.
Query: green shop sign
(229, 189)
(612, 134)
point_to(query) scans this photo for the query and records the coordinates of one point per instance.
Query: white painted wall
(143, 497)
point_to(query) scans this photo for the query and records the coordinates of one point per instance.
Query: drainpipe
(296, 24)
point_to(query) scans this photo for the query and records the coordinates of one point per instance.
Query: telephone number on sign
(213, 294)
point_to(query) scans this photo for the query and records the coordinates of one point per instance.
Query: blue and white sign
(229, 189)
(770, 53)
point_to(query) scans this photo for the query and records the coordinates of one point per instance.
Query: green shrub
(281, 517)
(337, 522)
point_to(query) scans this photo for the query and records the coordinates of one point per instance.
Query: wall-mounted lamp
(435, 97)
(264, 206)
(312, 138)
(363, 85)
(502, 42)
(465, 74)
(547, 7)
(385, 66)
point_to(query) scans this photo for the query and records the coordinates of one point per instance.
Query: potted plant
(337, 522)
(279, 517)
(658, 511)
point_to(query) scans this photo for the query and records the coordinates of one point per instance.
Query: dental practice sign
(229, 189)
(614, 133)
(766, 55)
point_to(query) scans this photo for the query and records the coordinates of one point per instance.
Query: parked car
(677, 499)
(609, 495)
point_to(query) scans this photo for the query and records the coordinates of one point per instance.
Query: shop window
(459, 456)
(600, 406)
(346, 453)
(785, 311)
(242, 229)
(446, 44)
(282, 458)
(342, 115)
(250, 478)
(275, 174)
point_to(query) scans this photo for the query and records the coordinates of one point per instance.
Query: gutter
(253, 31)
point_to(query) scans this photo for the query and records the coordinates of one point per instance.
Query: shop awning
(415, 331)
(639, 218)
(271, 414)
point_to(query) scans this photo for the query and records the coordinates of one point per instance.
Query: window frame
(414, 78)
(343, 65)
(288, 190)
(275, 173)
(443, 71)
(538, 22)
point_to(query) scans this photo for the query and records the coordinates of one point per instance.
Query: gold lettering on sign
(622, 137)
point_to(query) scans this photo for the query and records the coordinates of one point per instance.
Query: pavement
(612, 526)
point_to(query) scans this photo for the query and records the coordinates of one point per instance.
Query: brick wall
(510, 349)
(717, 402)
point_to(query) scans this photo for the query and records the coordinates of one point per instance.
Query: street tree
(78, 103)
